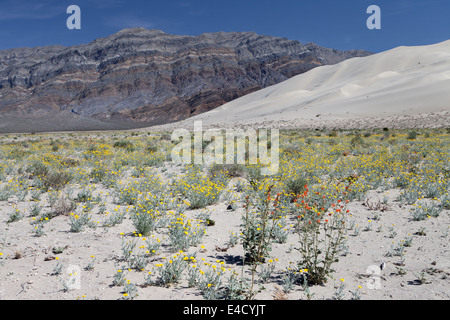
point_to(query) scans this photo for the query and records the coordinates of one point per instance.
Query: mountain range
(139, 77)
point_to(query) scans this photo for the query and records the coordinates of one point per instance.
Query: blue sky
(330, 23)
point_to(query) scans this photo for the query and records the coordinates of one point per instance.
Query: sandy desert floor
(64, 264)
(28, 262)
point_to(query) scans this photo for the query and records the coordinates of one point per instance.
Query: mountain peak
(140, 30)
(141, 77)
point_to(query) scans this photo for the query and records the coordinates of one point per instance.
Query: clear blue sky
(339, 24)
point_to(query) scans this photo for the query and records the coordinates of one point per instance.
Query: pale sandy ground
(29, 276)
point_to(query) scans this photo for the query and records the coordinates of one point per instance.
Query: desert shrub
(18, 153)
(445, 201)
(386, 135)
(333, 134)
(154, 159)
(412, 135)
(425, 210)
(295, 186)
(166, 137)
(151, 148)
(91, 147)
(14, 215)
(113, 219)
(49, 178)
(127, 195)
(292, 148)
(258, 225)
(63, 206)
(230, 170)
(432, 190)
(84, 195)
(321, 234)
(200, 190)
(69, 162)
(77, 222)
(148, 213)
(56, 180)
(97, 174)
(184, 233)
(171, 271)
(37, 169)
(409, 196)
(332, 142)
(201, 197)
(145, 221)
(124, 144)
(357, 140)
(253, 175)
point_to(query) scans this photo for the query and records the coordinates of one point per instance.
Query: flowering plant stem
(256, 237)
(321, 232)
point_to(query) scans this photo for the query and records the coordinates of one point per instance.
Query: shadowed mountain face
(139, 77)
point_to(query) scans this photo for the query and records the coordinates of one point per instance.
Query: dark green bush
(127, 145)
(412, 135)
(333, 134)
(296, 186)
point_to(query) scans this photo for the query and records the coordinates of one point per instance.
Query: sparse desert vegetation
(135, 225)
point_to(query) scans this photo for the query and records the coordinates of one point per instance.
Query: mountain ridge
(142, 77)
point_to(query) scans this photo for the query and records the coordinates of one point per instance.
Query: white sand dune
(402, 82)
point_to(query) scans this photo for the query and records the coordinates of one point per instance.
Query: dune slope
(402, 83)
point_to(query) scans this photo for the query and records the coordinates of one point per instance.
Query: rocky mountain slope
(139, 77)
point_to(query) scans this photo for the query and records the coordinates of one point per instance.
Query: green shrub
(357, 140)
(333, 134)
(320, 237)
(18, 154)
(69, 162)
(37, 169)
(412, 135)
(124, 144)
(295, 186)
(151, 148)
(144, 221)
(230, 170)
(445, 201)
(425, 210)
(77, 222)
(97, 174)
